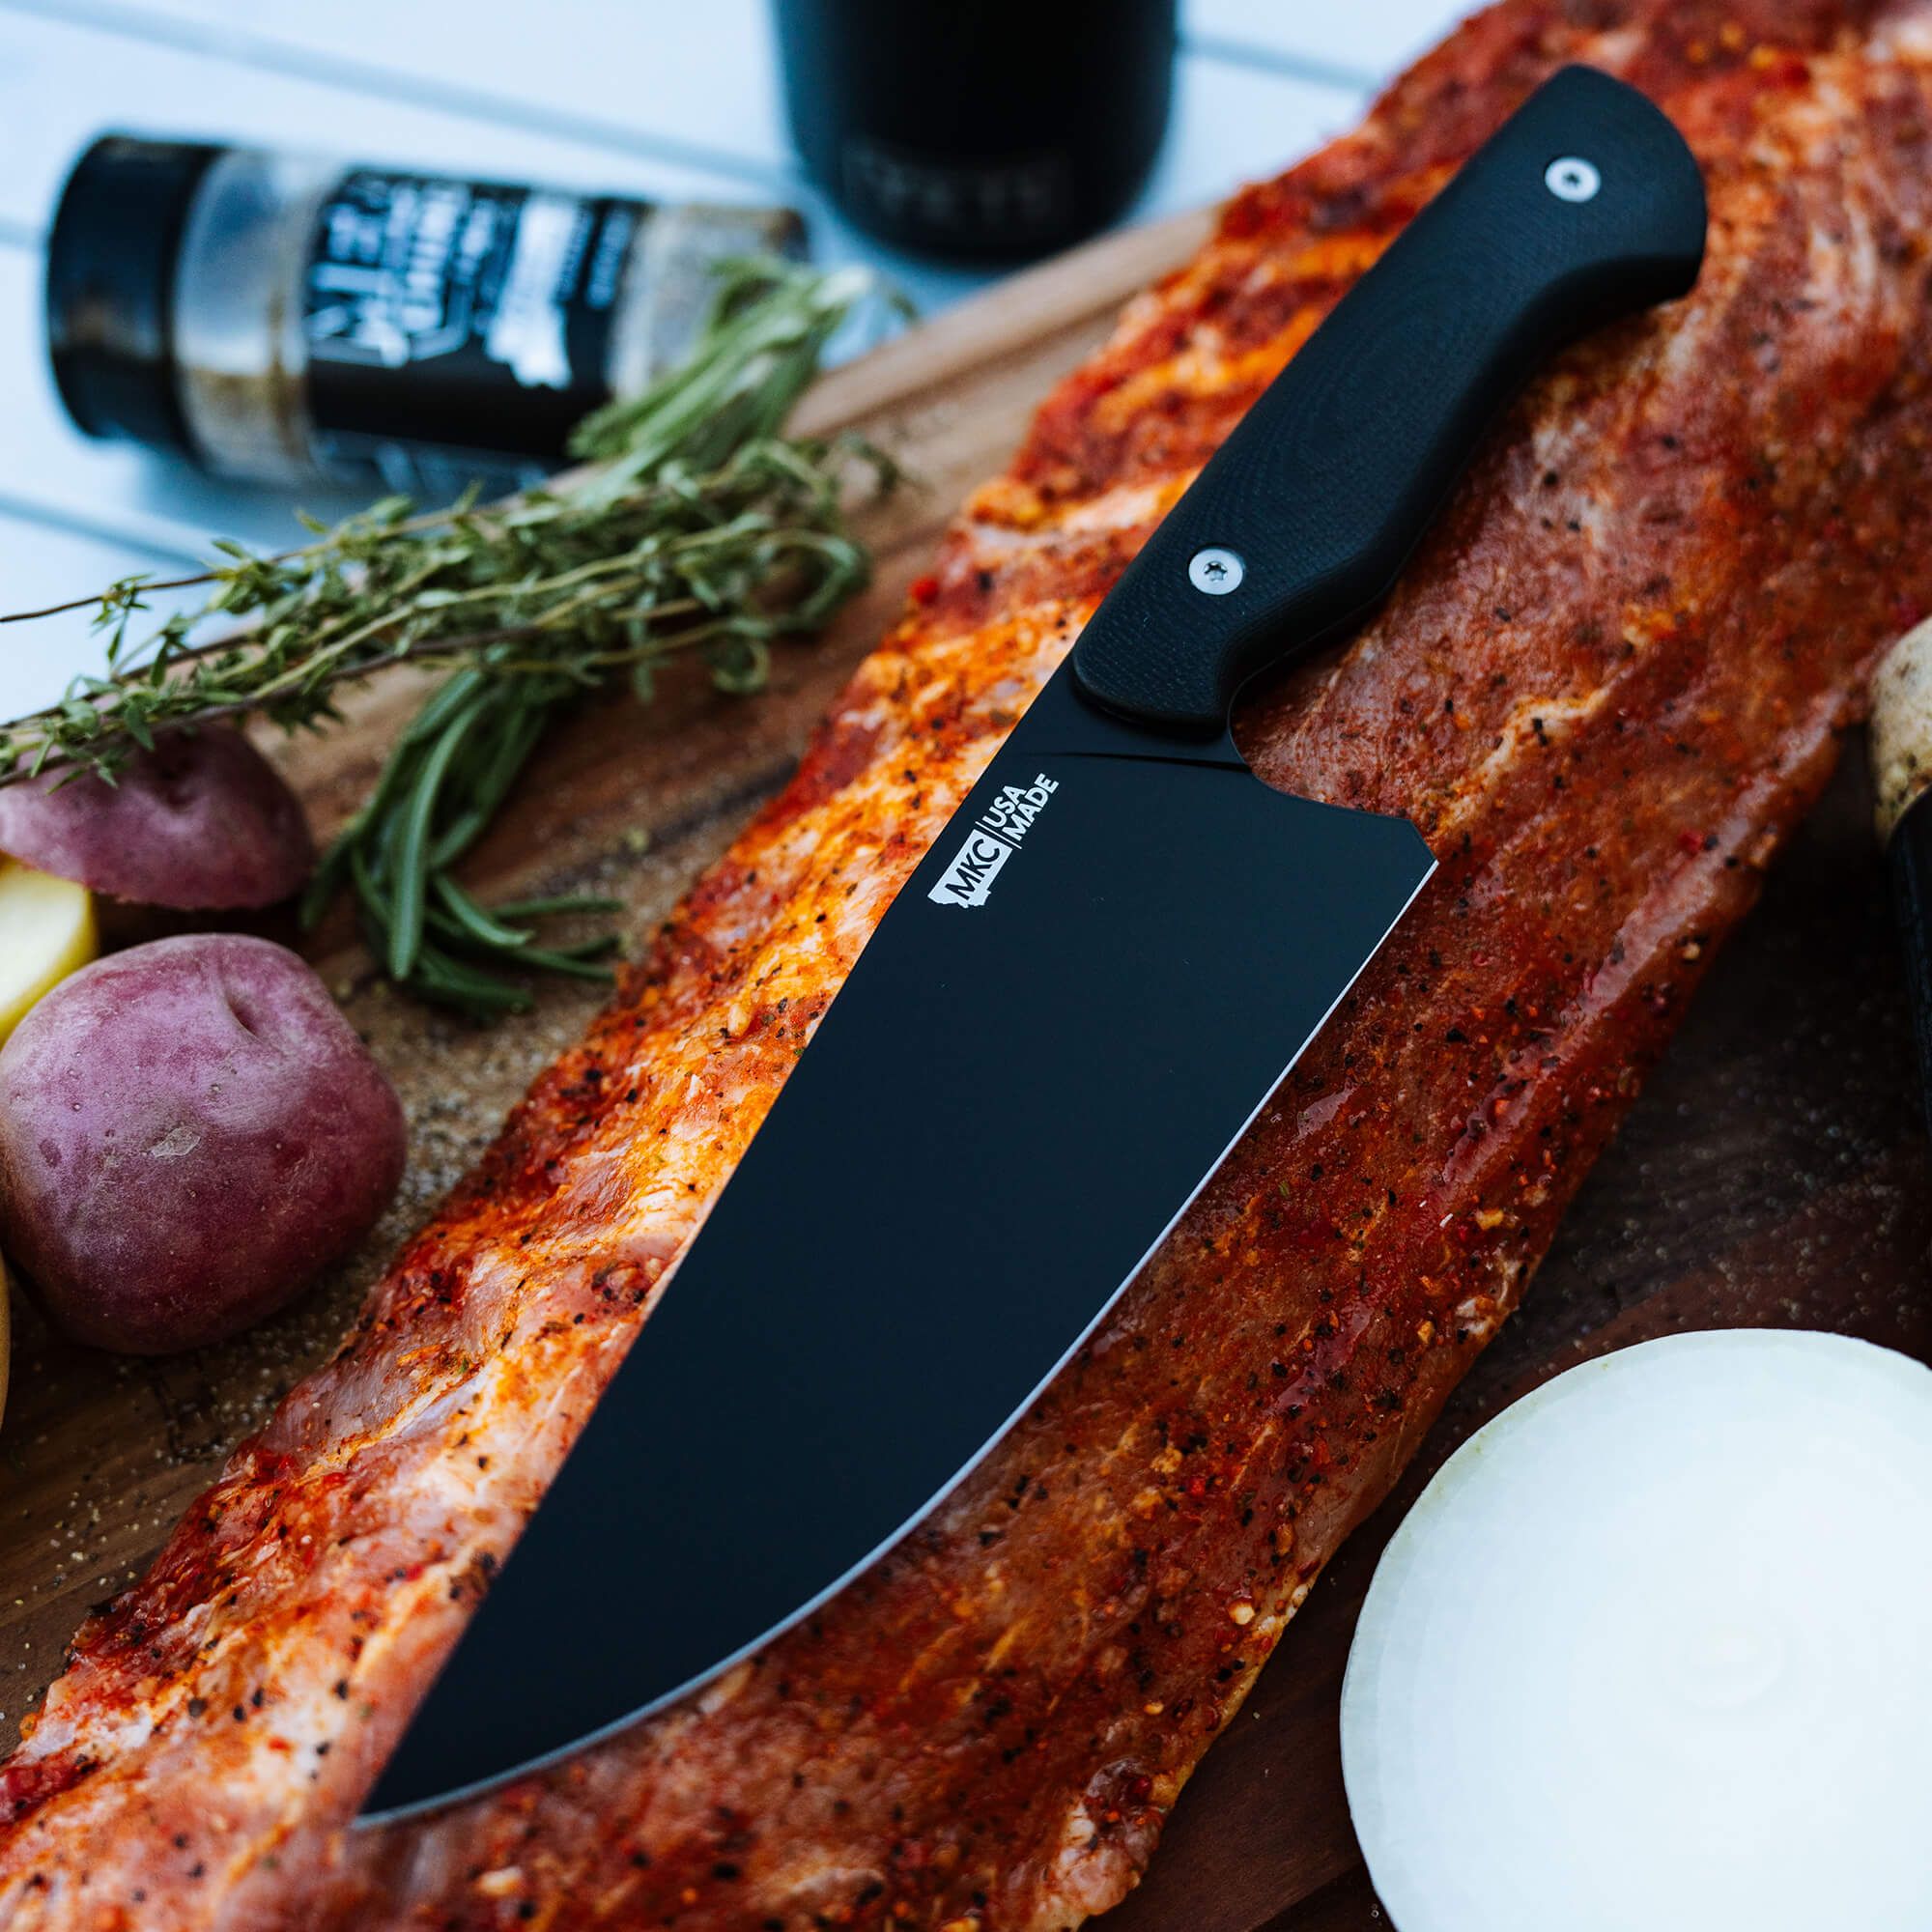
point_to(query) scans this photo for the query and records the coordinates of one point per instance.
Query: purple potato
(202, 823)
(190, 1133)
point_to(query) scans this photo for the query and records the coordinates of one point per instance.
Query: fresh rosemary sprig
(702, 528)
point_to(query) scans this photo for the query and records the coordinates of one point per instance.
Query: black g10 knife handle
(1583, 207)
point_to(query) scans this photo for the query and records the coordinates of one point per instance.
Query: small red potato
(190, 1133)
(201, 823)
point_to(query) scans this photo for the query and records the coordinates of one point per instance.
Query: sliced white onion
(1654, 1651)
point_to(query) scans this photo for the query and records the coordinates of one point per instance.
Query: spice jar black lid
(111, 286)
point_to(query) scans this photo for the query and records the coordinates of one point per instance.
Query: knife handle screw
(1571, 178)
(1214, 572)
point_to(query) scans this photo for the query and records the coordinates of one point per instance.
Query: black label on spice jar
(446, 317)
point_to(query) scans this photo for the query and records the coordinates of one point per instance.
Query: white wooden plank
(693, 80)
(39, 565)
(62, 82)
(1368, 40)
(652, 74)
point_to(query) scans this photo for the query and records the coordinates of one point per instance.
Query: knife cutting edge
(1090, 986)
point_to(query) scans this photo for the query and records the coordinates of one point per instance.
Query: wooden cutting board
(1773, 1174)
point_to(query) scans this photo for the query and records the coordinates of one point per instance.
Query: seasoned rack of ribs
(1609, 683)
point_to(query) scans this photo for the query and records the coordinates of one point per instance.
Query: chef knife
(1085, 993)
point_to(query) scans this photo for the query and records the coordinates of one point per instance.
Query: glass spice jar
(286, 318)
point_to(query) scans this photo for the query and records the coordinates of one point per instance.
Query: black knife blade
(1090, 986)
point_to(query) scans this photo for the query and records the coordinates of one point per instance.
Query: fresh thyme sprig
(702, 528)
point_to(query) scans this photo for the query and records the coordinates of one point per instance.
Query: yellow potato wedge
(46, 931)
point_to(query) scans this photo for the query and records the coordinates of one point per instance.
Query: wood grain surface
(1773, 1174)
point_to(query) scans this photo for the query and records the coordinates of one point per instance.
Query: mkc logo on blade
(994, 838)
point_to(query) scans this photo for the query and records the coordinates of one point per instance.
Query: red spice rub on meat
(1606, 689)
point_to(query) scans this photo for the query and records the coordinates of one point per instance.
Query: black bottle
(978, 130)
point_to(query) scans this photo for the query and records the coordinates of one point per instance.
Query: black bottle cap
(110, 287)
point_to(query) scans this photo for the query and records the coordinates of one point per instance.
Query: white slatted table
(659, 98)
